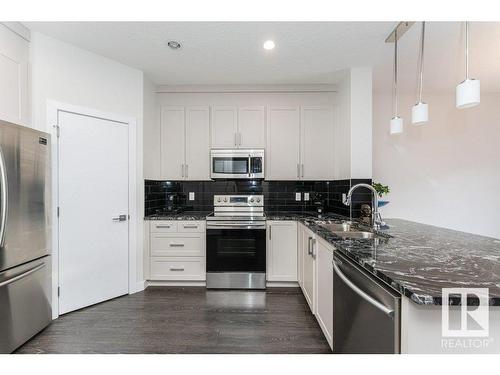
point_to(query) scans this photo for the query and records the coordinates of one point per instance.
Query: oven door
(236, 250)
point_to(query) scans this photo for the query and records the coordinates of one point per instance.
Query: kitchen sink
(337, 227)
(354, 234)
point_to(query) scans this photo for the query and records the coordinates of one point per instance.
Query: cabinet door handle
(163, 226)
(270, 231)
(309, 251)
(236, 139)
(176, 245)
(313, 245)
(182, 170)
(186, 169)
(298, 170)
(176, 268)
(302, 170)
(190, 226)
(240, 139)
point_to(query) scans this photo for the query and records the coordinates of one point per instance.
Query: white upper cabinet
(317, 143)
(238, 127)
(14, 77)
(281, 251)
(283, 140)
(251, 127)
(185, 146)
(224, 127)
(197, 166)
(172, 143)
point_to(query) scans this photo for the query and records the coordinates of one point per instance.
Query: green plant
(381, 189)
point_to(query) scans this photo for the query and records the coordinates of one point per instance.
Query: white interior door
(93, 193)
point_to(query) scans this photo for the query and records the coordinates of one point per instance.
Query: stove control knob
(258, 200)
(252, 200)
(225, 199)
(218, 199)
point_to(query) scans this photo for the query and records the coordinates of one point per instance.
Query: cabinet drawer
(162, 226)
(178, 268)
(177, 244)
(191, 226)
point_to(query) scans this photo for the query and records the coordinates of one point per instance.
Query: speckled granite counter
(419, 260)
(186, 215)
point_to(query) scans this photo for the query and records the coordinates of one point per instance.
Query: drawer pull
(176, 245)
(163, 226)
(176, 268)
(190, 226)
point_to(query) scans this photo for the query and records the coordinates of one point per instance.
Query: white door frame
(53, 109)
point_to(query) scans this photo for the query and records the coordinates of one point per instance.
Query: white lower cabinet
(315, 277)
(177, 250)
(324, 300)
(281, 251)
(178, 268)
(308, 264)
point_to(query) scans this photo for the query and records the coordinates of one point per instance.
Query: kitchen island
(418, 261)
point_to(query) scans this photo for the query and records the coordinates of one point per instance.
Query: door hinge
(58, 210)
(58, 291)
(58, 130)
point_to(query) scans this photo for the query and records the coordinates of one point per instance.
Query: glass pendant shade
(468, 93)
(420, 113)
(396, 125)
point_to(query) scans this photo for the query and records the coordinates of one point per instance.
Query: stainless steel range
(236, 243)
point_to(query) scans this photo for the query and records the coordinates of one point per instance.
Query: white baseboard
(138, 287)
(175, 283)
(269, 284)
(282, 284)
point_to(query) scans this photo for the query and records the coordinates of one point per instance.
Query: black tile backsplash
(278, 195)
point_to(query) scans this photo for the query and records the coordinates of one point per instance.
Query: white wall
(444, 173)
(353, 136)
(71, 75)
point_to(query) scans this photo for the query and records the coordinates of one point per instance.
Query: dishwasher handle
(361, 293)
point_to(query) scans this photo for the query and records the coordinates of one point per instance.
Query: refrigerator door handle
(22, 276)
(361, 293)
(3, 198)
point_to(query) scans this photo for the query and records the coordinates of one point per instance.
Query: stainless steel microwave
(239, 163)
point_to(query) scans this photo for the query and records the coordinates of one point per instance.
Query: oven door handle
(236, 226)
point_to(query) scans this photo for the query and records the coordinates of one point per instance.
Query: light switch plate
(306, 196)
(191, 196)
(298, 197)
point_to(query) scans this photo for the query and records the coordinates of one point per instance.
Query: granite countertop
(418, 260)
(186, 215)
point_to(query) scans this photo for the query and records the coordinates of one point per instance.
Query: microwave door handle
(250, 166)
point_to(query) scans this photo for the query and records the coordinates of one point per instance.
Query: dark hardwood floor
(187, 320)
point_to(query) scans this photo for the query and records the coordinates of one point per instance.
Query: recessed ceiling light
(269, 45)
(174, 44)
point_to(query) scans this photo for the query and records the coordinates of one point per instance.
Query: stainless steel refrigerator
(25, 238)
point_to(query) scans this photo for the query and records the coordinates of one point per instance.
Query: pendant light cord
(421, 64)
(466, 50)
(395, 79)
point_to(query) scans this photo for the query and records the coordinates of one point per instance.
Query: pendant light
(396, 121)
(420, 111)
(468, 93)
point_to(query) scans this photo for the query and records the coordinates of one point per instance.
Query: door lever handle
(120, 218)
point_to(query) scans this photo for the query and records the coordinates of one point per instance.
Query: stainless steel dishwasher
(366, 313)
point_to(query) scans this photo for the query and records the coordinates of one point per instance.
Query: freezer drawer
(25, 302)
(366, 313)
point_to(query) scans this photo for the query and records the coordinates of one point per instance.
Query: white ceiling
(305, 53)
